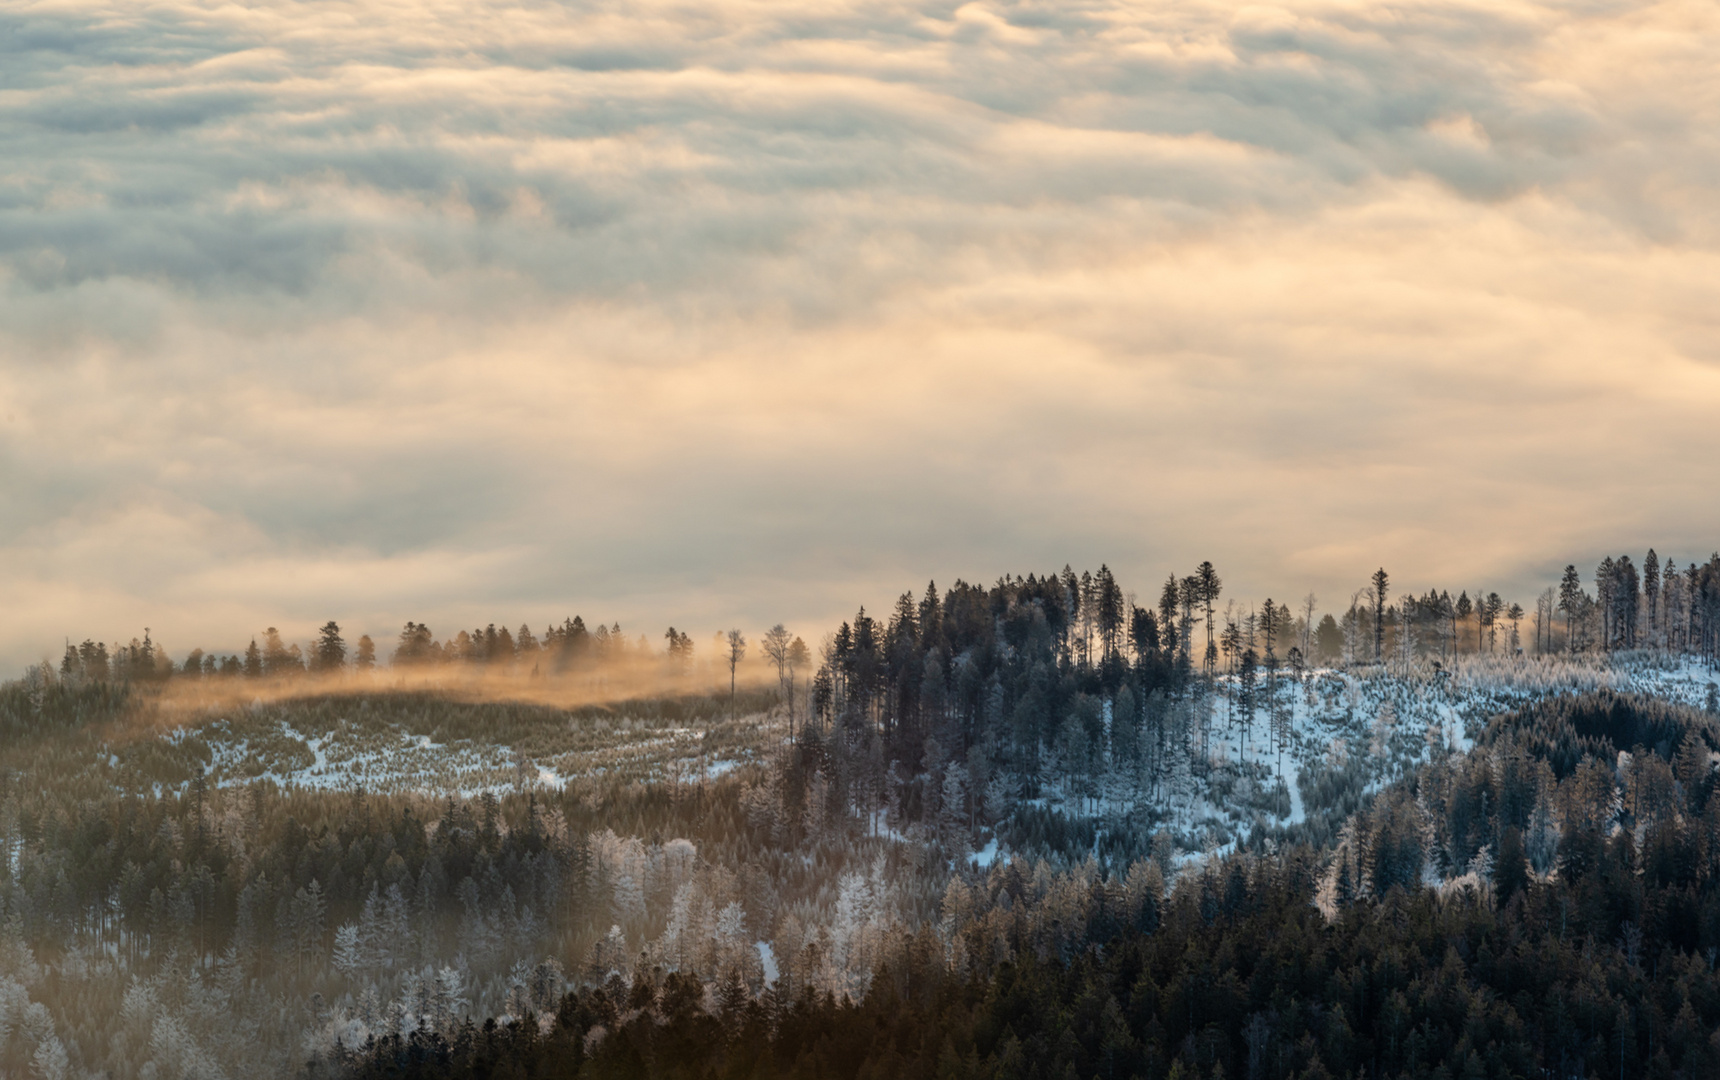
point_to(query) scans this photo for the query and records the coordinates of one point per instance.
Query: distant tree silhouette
(1208, 586)
(799, 658)
(737, 651)
(1380, 583)
(330, 650)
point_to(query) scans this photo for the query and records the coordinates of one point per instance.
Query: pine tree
(1089, 601)
(1169, 601)
(1673, 622)
(1245, 698)
(1344, 879)
(278, 657)
(1270, 623)
(1143, 634)
(1605, 582)
(1651, 597)
(330, 652)
(1570, 602)
(799, 659)
(931, 617)
(1125, 730)
(1627, 601)
(1694, 619)
(1329, 638)
(1208, 587)
(1379, 583)
(737, 651)
(1070, 598)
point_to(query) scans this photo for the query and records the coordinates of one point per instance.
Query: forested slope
(766, 856)
(1590, 954)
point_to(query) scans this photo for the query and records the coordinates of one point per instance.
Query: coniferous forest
(1049, 828)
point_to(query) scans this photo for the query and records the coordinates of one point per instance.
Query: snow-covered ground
(1367, 725)
(347, 755)
(985, 856)
(376, 760)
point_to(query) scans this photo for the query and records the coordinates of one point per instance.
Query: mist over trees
(1036, 828)
(1662, 608)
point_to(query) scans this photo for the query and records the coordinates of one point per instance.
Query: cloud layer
(742, 312)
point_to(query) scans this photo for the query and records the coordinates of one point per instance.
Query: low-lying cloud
(736, 313)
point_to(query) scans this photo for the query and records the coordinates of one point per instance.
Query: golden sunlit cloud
(472, 312)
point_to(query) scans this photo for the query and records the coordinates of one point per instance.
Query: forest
(1031, 829)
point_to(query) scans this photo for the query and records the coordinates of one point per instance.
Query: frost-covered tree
(50, 1062)
(348, 956)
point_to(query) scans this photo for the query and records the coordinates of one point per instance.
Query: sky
(734, 313)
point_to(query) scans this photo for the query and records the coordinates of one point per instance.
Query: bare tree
(776, 644)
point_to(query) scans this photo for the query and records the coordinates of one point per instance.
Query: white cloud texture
(741, 312)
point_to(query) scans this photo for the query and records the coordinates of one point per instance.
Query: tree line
(1091, 622)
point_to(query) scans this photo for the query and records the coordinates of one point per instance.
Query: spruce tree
(1168, 603)
(1570, 602)
(1110, 613)
(330, 652)
(1380, 583)
(1604, 594)
(1209, 586)
(737, 651)
(1651, 597)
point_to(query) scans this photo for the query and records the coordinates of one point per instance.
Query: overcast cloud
(732, 313)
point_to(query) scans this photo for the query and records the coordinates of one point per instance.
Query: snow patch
(985, 856)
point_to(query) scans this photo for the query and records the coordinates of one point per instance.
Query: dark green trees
(1379, 584)
(329, 652)
(1571, 603)
(1329, 639)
